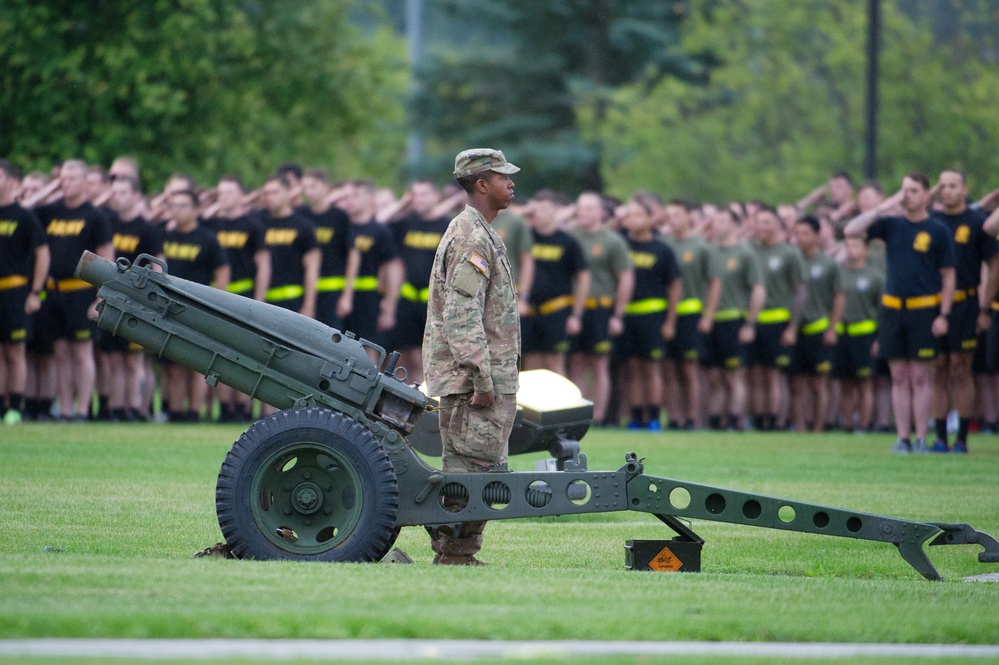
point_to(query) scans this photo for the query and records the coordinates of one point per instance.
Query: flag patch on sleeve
(479, 263)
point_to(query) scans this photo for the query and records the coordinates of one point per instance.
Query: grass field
(99, 523)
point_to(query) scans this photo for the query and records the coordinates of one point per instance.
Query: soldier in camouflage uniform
(471, 344)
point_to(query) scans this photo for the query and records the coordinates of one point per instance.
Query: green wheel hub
(305, 498)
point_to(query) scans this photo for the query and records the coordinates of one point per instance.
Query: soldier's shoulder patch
(479, 264)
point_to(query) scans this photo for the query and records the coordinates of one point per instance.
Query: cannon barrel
(280, 357)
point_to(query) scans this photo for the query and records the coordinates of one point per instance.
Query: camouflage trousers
(474, 440)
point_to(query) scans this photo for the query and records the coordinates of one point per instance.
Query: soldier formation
(673, 314)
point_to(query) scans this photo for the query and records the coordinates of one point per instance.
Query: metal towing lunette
(334, 476)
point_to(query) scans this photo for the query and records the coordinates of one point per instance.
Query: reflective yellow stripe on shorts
(68, 284)
(12, 282)
(555, 305)
(646, 306)
(326, 284)
(369, 283)
(815, 327)
(724, 315)
(411, 293)
(240, 286)
(776, 315)
(963, 294)
(280, 293)
(861, 328)
(689, 306)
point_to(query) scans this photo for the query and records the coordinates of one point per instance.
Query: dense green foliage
(203, 86)
(513, 75)
(785, 108)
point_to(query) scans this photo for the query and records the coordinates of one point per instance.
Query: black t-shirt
(417, 240)
(557, 259)
(915, 253)
(332, 230)
(374, 242)
(655, 268)
(70, 232)
(241, 238)
(288, 238)
(194, 255)
(20, 234)
(135, 237)
(971, 245)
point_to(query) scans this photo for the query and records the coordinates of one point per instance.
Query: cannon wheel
(308, 485)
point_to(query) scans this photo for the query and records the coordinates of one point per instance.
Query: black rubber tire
(373, 488)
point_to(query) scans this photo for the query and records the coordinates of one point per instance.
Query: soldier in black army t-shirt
(64, 324)
(295, 256)
(125, 361)
(417, 236)
(561, 285)
(193, 253)
(371, 295)
(972, 247)
(24, 263)
(332, 226)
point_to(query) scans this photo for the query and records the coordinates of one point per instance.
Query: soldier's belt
(12, 282)
(995, 306)
(724, 315)
(776, 315)
(858, 328)
(240, 286)
(68, 284)
(552, 306)
(599, 303)
(326, 284)
(646, 306)
(815, 327)
(369, 283)
(409, 292)
(281, 293)
(916, 302)
(689, 306)
(964, 294)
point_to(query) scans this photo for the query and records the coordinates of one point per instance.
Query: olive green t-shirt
(863, 288)
(693, 255)
(823, 282)
(607, 257)
(783, 271)
(739, 270)
(516, 235)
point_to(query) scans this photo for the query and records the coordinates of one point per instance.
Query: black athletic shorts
(688, 345)
(766, 350)
(545, 333)
(961, 336)
(992, 345)
(410, 321)
(13, 320)
(326, 302)
(643, 336)
(853, 359)
(64, 316)
(722, 347)
(595, 338)
(811, 357)
(363, 320)
(906, 334)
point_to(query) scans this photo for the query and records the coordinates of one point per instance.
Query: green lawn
(126, 506)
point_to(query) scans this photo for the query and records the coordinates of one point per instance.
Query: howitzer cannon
(333, 476)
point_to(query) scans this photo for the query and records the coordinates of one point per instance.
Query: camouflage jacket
(472, 338)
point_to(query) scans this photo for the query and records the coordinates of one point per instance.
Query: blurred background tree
(200, 86)
(708, 99)
(784, 108)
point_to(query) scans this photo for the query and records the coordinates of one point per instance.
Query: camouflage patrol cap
(477, 160)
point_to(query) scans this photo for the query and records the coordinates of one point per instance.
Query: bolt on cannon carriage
(335, 475)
